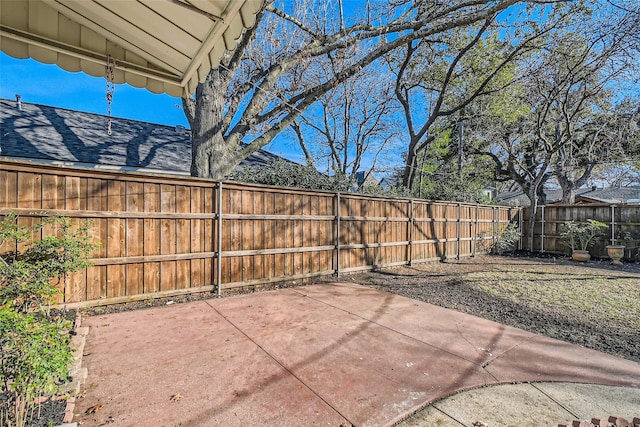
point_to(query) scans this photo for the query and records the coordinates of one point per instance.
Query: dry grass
(603, 296)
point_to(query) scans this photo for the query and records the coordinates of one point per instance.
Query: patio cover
(162, 45)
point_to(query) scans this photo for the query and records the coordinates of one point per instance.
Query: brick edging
(613, 421)
(77, 373)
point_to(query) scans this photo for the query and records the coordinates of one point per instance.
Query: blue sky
(51, 85)
(46, 84)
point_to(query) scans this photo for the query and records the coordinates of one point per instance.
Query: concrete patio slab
(530, 405)
(592, 400)
(331, 354)
(384, 373)
(469, 337)
(505, 405)
(186, 365)
(545, 359)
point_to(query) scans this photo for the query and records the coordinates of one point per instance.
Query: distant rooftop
(40, 132)
(609, 195)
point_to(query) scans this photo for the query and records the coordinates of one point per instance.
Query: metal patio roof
(162, 45)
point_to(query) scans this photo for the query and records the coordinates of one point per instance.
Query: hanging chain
(111, 87)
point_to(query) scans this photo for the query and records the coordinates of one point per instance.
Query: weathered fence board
(163, 236)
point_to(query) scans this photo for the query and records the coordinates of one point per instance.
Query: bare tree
(620, 174)
(267, 81)
(584, 111)
(608, 141)
(352, 123)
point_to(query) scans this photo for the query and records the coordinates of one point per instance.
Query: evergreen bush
(34, 344)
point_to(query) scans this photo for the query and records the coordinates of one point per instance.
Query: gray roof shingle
(57, 134)
(614, 194)
(609, 195)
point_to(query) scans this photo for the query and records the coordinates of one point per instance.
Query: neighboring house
(67, 137)
(490, 192)
(362, 180)
(518, 198)
(387, 182)
(611, 195)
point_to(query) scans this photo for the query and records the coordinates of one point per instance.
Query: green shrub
(581, 235)
(34, 350)
(507, 239)
(27, 279)
(282, 173)
(35, 359)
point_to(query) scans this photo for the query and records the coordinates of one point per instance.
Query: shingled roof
(40, 132)
(610, 195)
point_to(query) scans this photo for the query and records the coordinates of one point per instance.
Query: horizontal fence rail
(623, 222)
(162, 236)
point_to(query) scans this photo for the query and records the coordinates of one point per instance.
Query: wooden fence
(623, 227)
(166, 235)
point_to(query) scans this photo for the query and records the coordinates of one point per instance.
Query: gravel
(594, 304)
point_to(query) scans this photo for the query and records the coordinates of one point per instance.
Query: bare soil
(591, 304)
(51, 414)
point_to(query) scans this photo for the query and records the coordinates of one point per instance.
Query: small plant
(507, 239)
(625, 236)
(34, 345)
(26, 277)
(35, 359)
(581, 235)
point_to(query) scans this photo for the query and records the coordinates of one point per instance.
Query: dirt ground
(594, 305)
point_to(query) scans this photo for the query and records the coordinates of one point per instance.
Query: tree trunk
(568, 196)
(212, 158)
(568, 189)
(211, 155)
(410, 168)
(569, 186)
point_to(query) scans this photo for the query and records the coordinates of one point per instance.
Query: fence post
(219, 248)
(520, 224)
(337, 269)
(410, 233)
(444, 239)
(475, 234)
(542, 229)
(496, 226)
(458, 231)
(613, 225)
